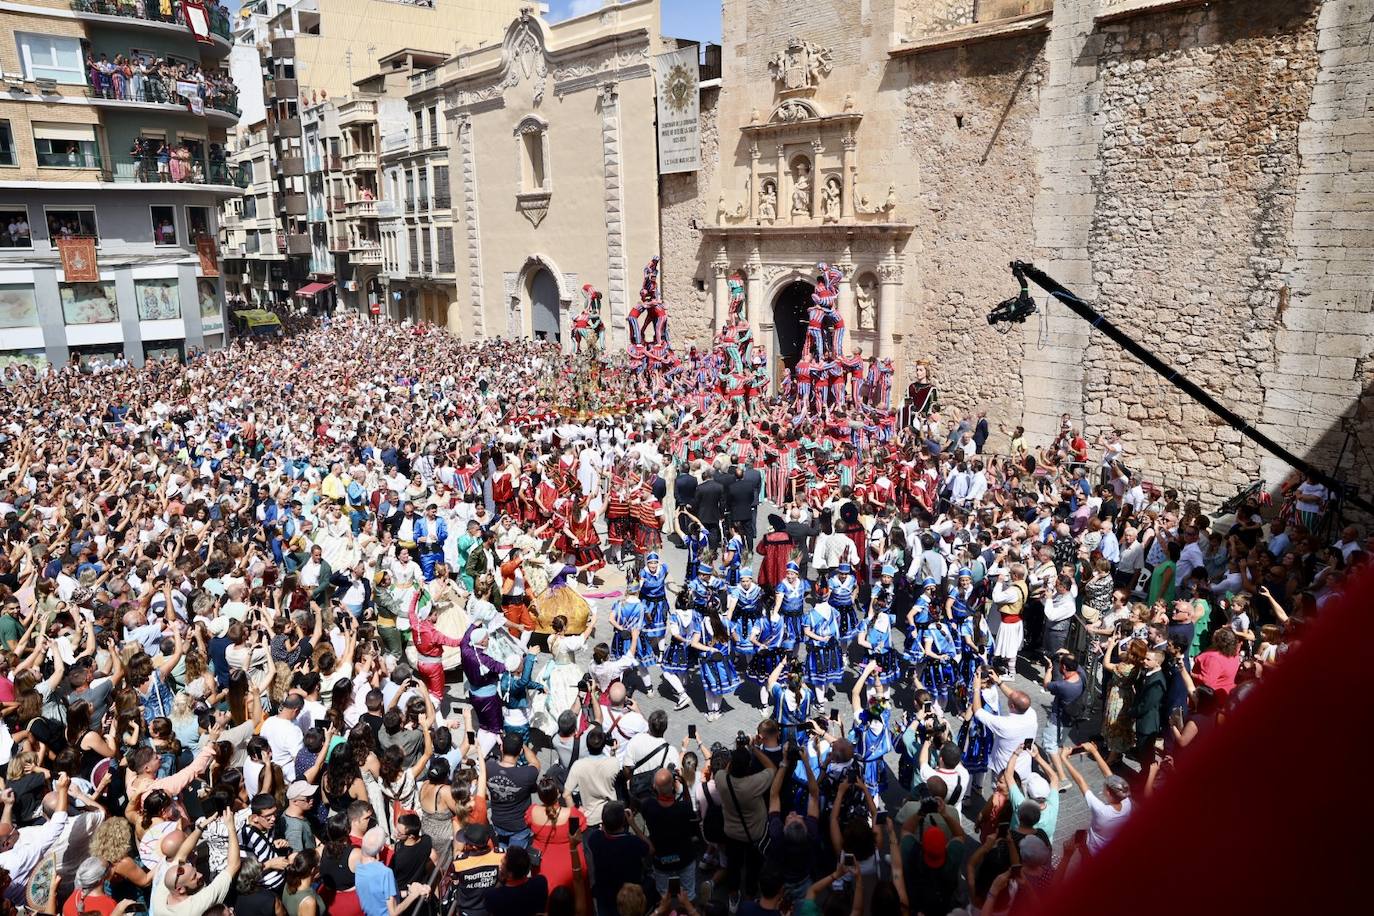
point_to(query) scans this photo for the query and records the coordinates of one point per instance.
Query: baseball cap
(300, 789)
(933, 846)
(1037, 787)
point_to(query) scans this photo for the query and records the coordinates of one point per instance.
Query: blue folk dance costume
(824, 663)
(772, 635)
(748, 599)
(843, 589)
(961, 603)
(732, 569)
(678, 655)
(630, 614)
(695, 544)
(975, 741)
(653, 594)
(881, 650)
(912, 652)
(790, 712)
(872, 747)
(971, 658)
(793, 610)
(937, 676)
(718, 673)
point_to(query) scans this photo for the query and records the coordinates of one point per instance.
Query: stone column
(847, 178)
(754, 182)
(847, 307)
(816, 149)
(784, 187)
(755, 310)
(720, 268)
(889, 292)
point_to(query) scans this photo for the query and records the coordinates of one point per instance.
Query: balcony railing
(362, 207)
(152, 11)
(335, 163)
(337, 244)
(147, 169)
(153, 88)
(368, 255)
(355, 161)
(443, 266)
(442, 202)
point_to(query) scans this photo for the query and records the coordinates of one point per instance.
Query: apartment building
(113, 128)
(252, 252)
(330, 53)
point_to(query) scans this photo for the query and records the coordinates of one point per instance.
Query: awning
(313, 289)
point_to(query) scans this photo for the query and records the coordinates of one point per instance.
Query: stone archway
(790, 305)
(555, 289)
(544, 310)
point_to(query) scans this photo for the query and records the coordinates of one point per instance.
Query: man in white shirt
(650, 750)
(1060, 607)
(1010, 729)
(1192, 555)
(284, 735)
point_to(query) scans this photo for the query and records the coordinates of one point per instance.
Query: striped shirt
(259, 845)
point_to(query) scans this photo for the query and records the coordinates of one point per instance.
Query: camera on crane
(1019, 307)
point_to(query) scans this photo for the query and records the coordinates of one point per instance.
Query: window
(51, 57)
(66, 146)
(410, 190)
(68, 223)
(419, 130)
(434, 126)
(250, 208)
(14, 228)
(164, 225)
(534, 161)
(533, 138)
(425, 259)
(7, 156)
(197, 222)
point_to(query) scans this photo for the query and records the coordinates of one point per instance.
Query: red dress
(551, 840)
(776, 549)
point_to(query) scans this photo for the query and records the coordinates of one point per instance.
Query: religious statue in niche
(801, 188)
(768, 202)
(830, 200)
(800, 65)
(863, 297)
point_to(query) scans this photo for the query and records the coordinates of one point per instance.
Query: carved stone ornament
(800, 65)
(524, 61)
(534, 206)
(791, 112)
(865, 206)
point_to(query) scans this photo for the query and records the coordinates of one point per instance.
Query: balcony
(283, 47)
(364, 208)
(145, 170)
(159, 93)
(442, 202)
(292, 166)
(297, 243)
(366, 253)
(294, 205)
(357, 111)
(150, 13)
(354, 162)
(285, 88)
(338, 245)
(286, 128)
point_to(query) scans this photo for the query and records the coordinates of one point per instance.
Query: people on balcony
(140, 78)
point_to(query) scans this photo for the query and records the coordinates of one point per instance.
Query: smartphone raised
(674, 887)
(834, 714)
(692, 731)
(1028, 743)
(472, 737)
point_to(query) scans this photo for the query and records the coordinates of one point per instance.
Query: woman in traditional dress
(563, 674)
(588, 546)
(872, 731)
(940, 648)
(876, 640)
(844, 587)
(684, 640)
(746, 604)
(719, 676)
(732, 554)
(562, 599)
(961, 599)
(627, 622)
(653, 594)
(694, 541)
(821, 631)
(917, 619)
(791, 699)
(790, 602)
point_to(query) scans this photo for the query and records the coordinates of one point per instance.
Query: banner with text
(679, 99)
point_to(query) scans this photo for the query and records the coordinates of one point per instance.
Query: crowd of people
(334, 623)
(140, 77)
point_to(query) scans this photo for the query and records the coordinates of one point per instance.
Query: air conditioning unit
(46, 84)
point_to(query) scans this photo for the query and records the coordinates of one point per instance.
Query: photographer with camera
(743, 792)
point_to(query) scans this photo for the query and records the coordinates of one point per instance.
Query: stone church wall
(684, 199)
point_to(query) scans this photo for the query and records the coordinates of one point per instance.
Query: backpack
(1076, 710)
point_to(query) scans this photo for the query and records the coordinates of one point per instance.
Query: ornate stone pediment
(792, 111)
(523, 59)
(799, 66)
(534, 206)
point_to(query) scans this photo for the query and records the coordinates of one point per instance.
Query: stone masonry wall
(968, 129)
(686, 266)
(1199, 113)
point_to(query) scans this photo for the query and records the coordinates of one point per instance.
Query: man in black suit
(803, 535)
(708, 505)
(684, 495)
(742, 500)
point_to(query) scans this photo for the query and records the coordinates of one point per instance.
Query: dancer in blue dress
(746, 597)
(974, 639)
(821, 630)
(961, 601)
(718, 674)
(732, 554)
(872, 731)
(791, 603)
(680, 650)
(975, 741)
(791, 699)
(653, 594)
(876, 640)
(627, 622)
(844, 588)
(941, 650)
(768, 635)
(917, 619)
(695, 542)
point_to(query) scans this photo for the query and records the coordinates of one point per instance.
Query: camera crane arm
(1018, 312)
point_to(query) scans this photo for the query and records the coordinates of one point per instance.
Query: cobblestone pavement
(743, 713)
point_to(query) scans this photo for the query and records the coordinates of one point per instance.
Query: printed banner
(209, 256)
(197, 20)
(679, 99)
(191, 93)
(78, 260)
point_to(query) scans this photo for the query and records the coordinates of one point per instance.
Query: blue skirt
(824, 664)
(938, 678)
(677, 658)
(762, 665)
(890, 664)
(718, 674)
(793, 632)
(655, 617)
(976, 743)
(644, 652)
(849, 622)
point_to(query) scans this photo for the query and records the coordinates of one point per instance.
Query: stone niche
(802, 165)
